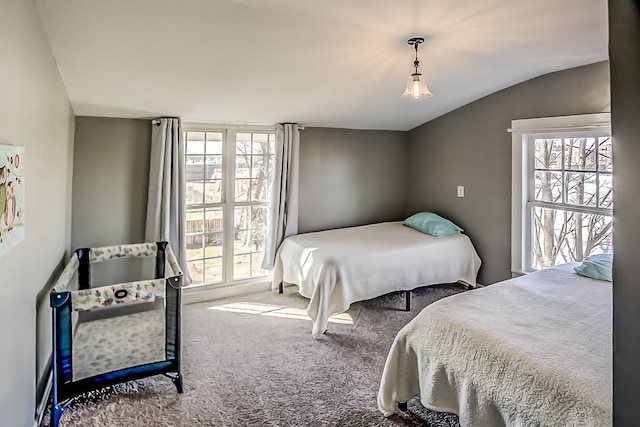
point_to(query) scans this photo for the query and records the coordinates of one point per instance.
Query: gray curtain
(165, 205)
(283, 208)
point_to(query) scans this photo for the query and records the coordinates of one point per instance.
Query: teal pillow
(430, 223)
(597, 267)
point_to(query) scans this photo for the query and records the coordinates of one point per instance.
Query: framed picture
(12, 177)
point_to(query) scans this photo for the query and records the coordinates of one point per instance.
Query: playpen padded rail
(120, 294)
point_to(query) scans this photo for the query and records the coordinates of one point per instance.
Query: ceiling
(330, 63)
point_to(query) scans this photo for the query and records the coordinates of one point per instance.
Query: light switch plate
(460, 190)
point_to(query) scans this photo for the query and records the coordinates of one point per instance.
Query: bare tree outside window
(572, 199)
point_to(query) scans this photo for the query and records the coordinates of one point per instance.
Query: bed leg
(281, 288)
(402, 406)
(407, 301)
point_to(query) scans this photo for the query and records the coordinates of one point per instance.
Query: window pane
(243, 143)
(242, 219)
(580, 153)
(241, 266)
(243, 165)
(194, 193)
(272, 142)
(560, 236)
(606, 191)
(194, 143)
(213, 167)
(213, 219)
(194, 248)
(258, 217)
(548, 186)
(548, 153)
(196, 269)
(257, 240)
(213, 270)
(242, 242)
(256, 265)
(212, 242)
(259, 166)
(242, 190)
(195, 219)
(213, 191)
(605, 154)
(214, 143)
(581, 188)
(258, 190)
(194, 170)
(260, 143)
(213, 245)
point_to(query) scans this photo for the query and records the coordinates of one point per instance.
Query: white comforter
(336, 268)
(531, 351)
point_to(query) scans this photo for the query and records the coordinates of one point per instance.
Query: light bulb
(416, 87)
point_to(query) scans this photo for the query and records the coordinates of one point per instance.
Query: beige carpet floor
(251, 361)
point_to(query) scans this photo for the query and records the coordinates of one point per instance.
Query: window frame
(227, 202)
(523, 132)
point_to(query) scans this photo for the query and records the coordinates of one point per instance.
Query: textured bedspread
(531, 351)
(336, 268)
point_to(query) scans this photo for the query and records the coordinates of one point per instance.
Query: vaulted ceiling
(333, 63)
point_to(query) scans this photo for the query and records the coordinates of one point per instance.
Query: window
(562, 190)
(228, 175)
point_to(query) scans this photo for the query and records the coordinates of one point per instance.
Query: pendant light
(416, 87)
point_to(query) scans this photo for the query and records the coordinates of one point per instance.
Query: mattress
(107, 345)
(336, 268)
(535, 350)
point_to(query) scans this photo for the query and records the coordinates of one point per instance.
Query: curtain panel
(283, 208)
(166, 202)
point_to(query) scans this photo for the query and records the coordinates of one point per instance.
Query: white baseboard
(195, 295)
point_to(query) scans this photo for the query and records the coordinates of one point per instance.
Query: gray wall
(470, 146)
(35, 113)
(351, 177)
(624, 51)
(110, 181)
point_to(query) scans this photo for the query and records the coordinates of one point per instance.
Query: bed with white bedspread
(534, 350)
(336, 268)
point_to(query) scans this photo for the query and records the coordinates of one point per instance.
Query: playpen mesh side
(115, 343)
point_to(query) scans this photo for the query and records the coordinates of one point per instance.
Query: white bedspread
(336, 268)
(531, 351)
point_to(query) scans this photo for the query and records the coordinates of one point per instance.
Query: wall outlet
(460, 190)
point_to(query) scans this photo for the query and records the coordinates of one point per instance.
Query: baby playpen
(130, 344)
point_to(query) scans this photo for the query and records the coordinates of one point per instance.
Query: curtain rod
(561, 128)
(157, 122)
(300, 127)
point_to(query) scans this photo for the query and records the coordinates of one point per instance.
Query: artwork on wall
(12, 176)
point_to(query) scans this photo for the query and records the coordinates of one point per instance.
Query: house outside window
(228, 177)
(562, 194)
